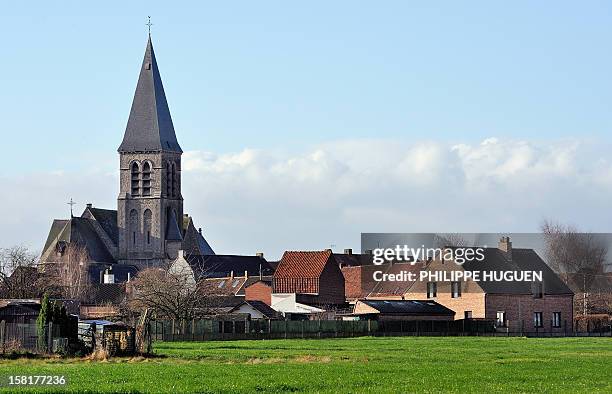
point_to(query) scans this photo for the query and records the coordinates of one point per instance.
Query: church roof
(76, 231)
(194, 242)
(149, 127)
(108, 221)
(173, 232)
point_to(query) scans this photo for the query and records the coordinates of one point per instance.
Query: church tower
(150, 204)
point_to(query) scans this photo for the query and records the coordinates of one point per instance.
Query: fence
(24, 336)
(211, 329)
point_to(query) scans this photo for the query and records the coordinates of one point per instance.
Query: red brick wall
(527, 305)
(331, 284)
(259, 291)
(352, 282)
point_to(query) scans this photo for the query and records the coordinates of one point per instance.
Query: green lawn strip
(418, 364)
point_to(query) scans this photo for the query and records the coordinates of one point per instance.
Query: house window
(467, 314)
(556, 319)
(455, 289)
(432, 289)
(501, 319)
(538, 290)
(537, 319)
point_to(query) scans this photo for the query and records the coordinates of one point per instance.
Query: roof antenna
(149, 24)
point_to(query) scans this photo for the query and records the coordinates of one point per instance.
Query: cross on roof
(71, 203)
(149, 24)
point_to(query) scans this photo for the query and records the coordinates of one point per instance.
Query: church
(149, 226)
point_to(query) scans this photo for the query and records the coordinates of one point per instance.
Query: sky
(304, 125)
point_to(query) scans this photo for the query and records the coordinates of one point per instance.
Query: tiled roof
(262, 308)
(108, 221)
(302, 264)
(408, 307)
(149, 126)
(221, 286)
(522, 260)
(221, 265)
(77, 231)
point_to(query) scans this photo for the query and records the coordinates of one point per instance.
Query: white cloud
(271, 201)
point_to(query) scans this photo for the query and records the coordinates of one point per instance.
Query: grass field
(408, 364)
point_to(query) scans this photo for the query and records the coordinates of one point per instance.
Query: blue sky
(263, 74)
(279, 77)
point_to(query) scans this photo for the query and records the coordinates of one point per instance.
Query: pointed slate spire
(149, 128)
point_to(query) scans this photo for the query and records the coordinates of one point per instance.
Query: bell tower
(150, 204)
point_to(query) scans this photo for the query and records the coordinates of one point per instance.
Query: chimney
(200, 230)
(89, 205)
(101, 276)
(328, 250)
(348, 251)
(246, 273)
(109, 277)
(506, 246)
(259, 254)
(232, 274)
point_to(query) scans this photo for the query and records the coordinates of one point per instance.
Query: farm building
(315, 277)
(382, 310)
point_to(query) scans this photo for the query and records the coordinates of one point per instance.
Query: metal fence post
(2, 333)
(50, 338)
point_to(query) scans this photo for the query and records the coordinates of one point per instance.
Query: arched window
(168, 179)
(134, 229)
(174, 180)
(146, 179)
(135, 172)
(147, 219)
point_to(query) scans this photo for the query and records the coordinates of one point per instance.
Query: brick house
(260, 290)
(545, 306)
(359, 281)
(314, 277)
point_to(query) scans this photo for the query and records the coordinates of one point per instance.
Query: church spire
(149, 127)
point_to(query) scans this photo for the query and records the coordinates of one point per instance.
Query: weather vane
(149, 24)
(71, 203)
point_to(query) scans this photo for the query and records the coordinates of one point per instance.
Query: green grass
(421, 364)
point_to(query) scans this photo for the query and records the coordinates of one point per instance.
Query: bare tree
(450, 239)
(19, 277)
(71, 273)
(569, 251)
(167, 294)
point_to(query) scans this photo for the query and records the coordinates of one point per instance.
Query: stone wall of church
(142, 219)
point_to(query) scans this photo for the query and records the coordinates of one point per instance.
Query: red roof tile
(302, 264)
